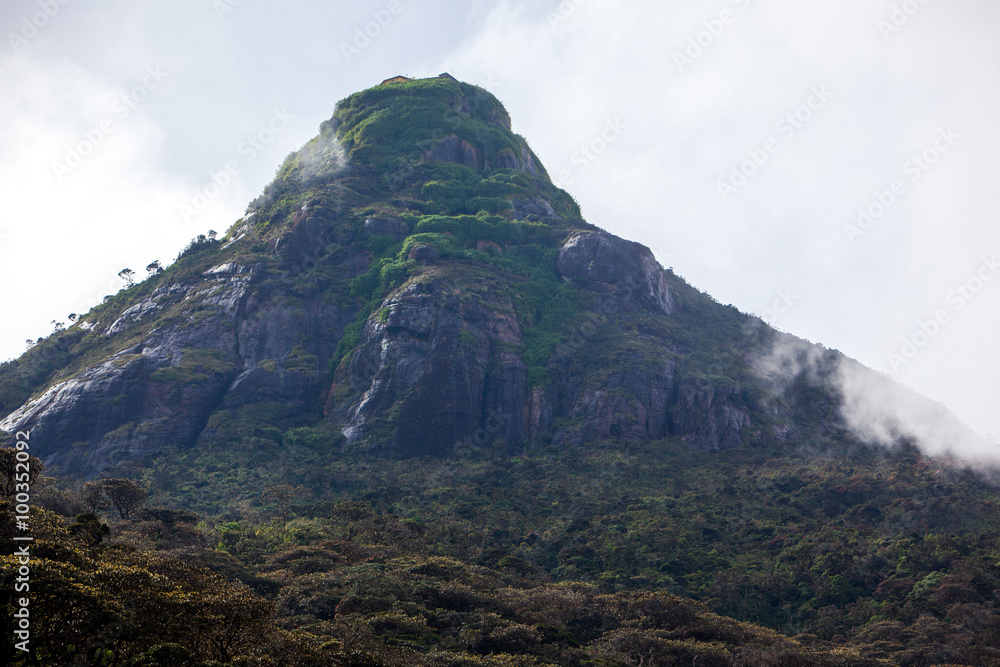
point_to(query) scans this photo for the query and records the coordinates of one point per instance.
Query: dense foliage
(346, 583)
(565, 556)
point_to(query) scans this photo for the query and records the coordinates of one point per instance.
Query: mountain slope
(413, 283)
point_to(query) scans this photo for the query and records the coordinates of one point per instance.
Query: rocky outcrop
(506, 158)
(533, 208)
(431, 367)
(223, 341)
(709, 415)
(605, 263)
(424, 254)
(627, 406)
(160, 391)
(459, 151)
(436, 367)
(394, 228)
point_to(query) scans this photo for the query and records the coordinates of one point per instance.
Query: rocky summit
(412, 281)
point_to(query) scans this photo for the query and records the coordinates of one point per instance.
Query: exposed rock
(533, 208)
(425, 254)
(629, 405)
(428, 373)
(164, 389)
(440, 365)
(119, 410)
(451, 149)
(710, 415)
(132, 315)
(227, 269)
(605, 263)
(508, 159)
(394, 228)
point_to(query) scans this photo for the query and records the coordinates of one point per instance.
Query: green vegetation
(552, 558)
(382, 127)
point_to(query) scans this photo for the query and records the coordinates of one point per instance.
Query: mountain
(413, 409)
(412, 278)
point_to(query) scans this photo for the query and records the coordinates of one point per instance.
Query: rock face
(533, 208)
(435, 371)
(391, 227)
(349, 300)
(523, 161)
(425, 254)
(431, 367)
(452, 149)
(228, 344)
(606, 263)
(710, 416)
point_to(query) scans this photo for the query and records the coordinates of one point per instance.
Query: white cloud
(67, 237)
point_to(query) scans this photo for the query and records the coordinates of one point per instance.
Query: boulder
(425, 254)
(394, 228)
(605, 263)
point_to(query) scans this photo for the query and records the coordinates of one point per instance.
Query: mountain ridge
(410, 274)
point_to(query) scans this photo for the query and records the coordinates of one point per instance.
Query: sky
(831, 167)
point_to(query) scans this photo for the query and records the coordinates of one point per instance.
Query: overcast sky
(738, 139)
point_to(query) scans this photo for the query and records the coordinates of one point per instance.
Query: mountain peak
(411, 283)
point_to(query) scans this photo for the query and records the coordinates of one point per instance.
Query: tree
(93, 498)
(128, 275)
(154, 267)
(212, 234)
(88, 527)
(126, 495)
(9, 472)
(282, 495)
(72, 317)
